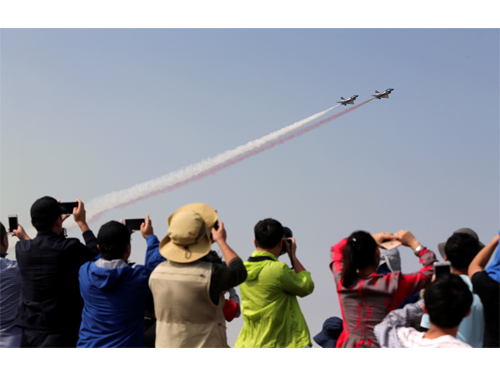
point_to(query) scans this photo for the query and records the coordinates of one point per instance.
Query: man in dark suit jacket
(50, 308)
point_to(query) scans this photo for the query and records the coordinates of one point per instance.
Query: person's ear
(255, 243)
(127, 252)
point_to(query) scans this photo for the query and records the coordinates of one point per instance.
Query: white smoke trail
(99, 205)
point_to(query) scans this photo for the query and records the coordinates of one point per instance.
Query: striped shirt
(10, 293)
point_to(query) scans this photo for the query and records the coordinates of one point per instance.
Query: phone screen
(67, 207)
(12, 222)
(440, 270)
(390, 245)
(134, 224)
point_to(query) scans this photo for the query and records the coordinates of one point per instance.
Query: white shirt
(411, 338)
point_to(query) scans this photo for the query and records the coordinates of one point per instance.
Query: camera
(287, 233)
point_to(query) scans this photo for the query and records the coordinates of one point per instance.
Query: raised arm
(80, 216)
(20, 233)
(292, 253)
(219, 236)
(153, 256)
(337, 255)
(481, 259)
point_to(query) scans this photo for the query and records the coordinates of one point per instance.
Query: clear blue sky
(85, 112)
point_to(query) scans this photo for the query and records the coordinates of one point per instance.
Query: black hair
(113, 238)
(44, 213)
(359, 252)
(448, 299)
(3, 231)
(3, 234)
(460, 249)
(268, 233)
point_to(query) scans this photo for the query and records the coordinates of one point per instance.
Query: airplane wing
(385, 96)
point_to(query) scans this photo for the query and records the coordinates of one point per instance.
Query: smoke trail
(96, 207)
(194, 172)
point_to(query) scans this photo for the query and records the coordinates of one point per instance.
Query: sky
(87, 112)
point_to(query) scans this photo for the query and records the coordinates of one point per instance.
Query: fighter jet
(348, 100)
(383, 94)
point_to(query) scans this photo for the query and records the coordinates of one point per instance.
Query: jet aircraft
(383, 94)
(348, 100)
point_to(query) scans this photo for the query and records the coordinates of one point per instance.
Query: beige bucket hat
(188, 237)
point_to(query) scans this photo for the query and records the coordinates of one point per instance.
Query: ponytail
(359, 252)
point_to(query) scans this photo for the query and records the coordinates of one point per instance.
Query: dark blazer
(49, 265)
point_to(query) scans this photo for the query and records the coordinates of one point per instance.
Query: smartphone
(64, 232)
(216, 225)
(67, 207)
(134, 224)
(12, 223)
(441, 268)
(390, 245)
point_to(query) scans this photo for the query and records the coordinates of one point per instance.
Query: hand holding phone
(390, 245)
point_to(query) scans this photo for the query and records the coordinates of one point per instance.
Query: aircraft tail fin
(342, 98)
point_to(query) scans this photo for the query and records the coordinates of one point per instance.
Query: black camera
(287, 233)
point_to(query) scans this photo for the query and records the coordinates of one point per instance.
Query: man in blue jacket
(115, 293)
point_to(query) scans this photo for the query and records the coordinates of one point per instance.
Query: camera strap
(259, 259)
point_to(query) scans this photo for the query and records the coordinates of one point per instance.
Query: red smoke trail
(256, 151)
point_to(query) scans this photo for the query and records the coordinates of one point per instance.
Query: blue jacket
(113, 312)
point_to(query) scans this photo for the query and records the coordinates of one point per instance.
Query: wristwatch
(417, 250)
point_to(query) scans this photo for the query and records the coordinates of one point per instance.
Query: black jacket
(49, 266)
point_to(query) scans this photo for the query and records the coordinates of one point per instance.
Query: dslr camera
(287, 233)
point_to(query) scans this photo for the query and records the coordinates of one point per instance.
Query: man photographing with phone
(114, 292)
(459, 251)
(51, 305)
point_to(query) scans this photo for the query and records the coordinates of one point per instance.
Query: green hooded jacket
(271, 313)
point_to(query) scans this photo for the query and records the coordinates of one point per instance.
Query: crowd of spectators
(61, 293)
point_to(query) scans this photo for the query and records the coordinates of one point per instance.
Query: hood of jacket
(106, 278)
(256, 262)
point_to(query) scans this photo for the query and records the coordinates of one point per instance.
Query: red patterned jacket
(366, 303)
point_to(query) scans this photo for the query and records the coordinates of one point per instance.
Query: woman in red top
(366, 296)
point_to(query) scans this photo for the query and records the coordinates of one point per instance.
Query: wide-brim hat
(188, 237)
(332, 328)
(442, 245)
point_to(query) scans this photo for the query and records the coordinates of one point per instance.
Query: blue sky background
(85, 112)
